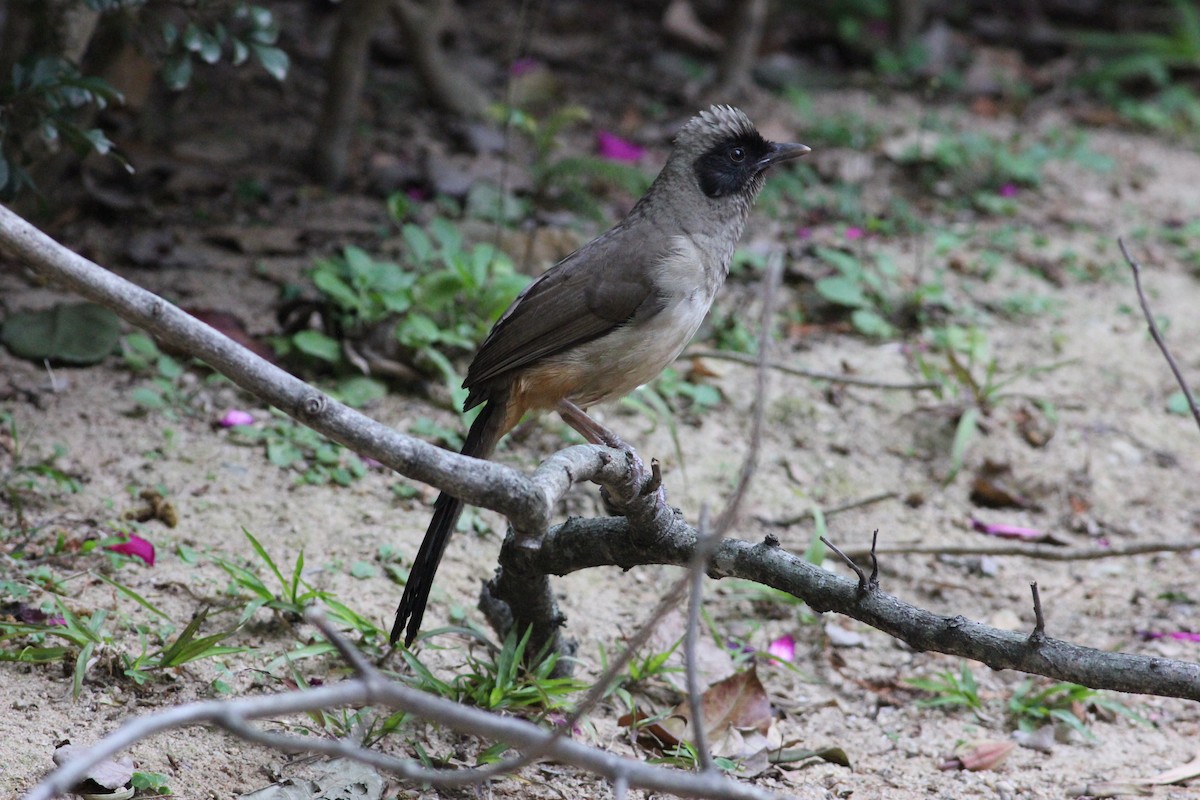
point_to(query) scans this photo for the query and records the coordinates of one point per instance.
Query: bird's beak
(782, 152)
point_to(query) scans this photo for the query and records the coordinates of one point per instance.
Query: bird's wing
(599, 287)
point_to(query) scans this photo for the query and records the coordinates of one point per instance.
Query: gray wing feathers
(587, 294)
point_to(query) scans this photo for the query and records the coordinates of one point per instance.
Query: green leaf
(318, 345)
(148, 398)
(842, 291)
(210, 48)
(177, 70)
(273, 60)
(359, 390)
(963, 435)
(1177, 403)
(871, 323)
(417, 331)
(326, 280)
(419, 246)
(77, 333)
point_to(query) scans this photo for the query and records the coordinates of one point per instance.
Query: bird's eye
(737, 155)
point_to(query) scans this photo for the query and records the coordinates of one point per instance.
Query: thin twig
(863, 581)
(829, 512)
(1156, 334)
(770, 292)
(1040, 552)
(804, 372)
(707, 539)
(1039, 621)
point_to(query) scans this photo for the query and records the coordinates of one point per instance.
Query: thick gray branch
(584, 544)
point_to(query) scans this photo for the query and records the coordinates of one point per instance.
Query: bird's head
(726, 154)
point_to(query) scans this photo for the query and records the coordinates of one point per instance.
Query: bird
(613, 314)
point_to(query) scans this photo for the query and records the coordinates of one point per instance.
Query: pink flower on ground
(783, 648)
(803, 233)
(1008, 531)
(135, 546)
(234, 418)
(523, 66)
(1007, 190)
(853, 233)
(614, 148)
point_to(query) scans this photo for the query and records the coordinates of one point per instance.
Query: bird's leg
(596, 433)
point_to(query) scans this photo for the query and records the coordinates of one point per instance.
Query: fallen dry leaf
(1177, 775)
(977, 756)
(737, 717)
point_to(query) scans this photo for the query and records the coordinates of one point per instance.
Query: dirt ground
(1115, 469)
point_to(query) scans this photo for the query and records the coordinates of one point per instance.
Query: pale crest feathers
(714, 124)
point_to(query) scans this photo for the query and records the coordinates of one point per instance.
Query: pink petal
(804, 233)
(1007, 190)
(783, 648)
(614, 148)
(137, 547)
(234, 418)
(1185, 636)
(1008, 531)
(855, 233)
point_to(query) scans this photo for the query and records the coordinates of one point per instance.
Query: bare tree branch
(1037, 551)
(584, 544)
(370, 687)
(1156, 333)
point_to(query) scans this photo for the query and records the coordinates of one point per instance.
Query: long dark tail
(481, 440)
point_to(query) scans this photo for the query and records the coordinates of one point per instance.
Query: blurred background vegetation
(87, 78)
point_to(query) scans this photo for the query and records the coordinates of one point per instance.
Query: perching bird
(610, 316)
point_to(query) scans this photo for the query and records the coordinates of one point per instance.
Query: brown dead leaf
(105, 777)
(994, 487)
(737, 717)
(977, 756)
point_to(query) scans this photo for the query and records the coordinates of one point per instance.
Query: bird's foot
(642, 485)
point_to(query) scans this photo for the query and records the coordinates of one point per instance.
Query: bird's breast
(686, 281)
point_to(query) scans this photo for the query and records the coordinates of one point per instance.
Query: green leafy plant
(950, 690)
(443, 297)
(239, 33)
(168, 389)
(988, 170)
(503, 679)
(27, 478)
(39, 111)
(640, 670)
(1119, 59)
(1032, 707)
(151, 783)
(185, 648)
(292, 446)
(47, 104)
(295, 593)
(865, 285)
